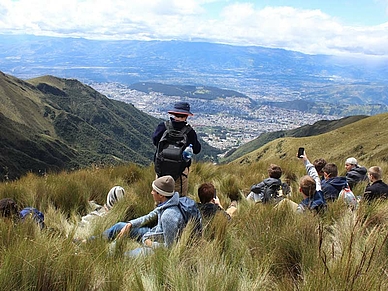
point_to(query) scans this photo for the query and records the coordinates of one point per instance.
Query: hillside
(51, 124)
(365, 139)
(318, 127)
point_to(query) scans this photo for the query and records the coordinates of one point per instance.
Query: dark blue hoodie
(316, 203)
(332, 187)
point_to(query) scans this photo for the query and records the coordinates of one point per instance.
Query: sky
(338, 27)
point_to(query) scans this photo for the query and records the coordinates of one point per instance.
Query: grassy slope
(306, 130)
(365, 139)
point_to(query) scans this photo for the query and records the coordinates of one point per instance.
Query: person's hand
(125, 230)
(217, 202)
(148, 242)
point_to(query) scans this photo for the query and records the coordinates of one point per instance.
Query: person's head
(330, 170)
(206, 192)
(319, 164)
(274, 171)
(375, 173)
(8, 208)
(350, 163)
(307, 186)
(181, 111)
(163, 188)
(114, 195)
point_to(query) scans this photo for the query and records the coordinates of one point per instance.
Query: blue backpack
(34, 213)
(190, 211)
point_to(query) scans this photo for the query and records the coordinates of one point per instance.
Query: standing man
(171, 138)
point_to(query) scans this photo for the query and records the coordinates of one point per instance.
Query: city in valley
(224, 123)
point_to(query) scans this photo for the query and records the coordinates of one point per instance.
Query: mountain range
(311, 83)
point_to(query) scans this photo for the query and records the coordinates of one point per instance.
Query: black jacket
(377, 189)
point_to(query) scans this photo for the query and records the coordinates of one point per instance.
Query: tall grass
(261, 248)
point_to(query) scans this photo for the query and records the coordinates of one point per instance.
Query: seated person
(354, 172)
(332, 184)
(170, 220)
(209, 203)
(270, 189)
(10, 210)
(319, 164)
(115, 194)
(376, 188)
(310, 187)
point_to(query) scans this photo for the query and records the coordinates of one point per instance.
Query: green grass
(261, 248)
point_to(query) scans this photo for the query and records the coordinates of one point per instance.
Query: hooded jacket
(170, 223)
(332, 187)
(356, 175)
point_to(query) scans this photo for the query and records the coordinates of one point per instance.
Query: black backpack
(275, 192)
(168, 156)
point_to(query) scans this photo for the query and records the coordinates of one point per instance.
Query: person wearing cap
(169, 217)
(115, 194)
(180, 113)
(376, 189)
(355, 173)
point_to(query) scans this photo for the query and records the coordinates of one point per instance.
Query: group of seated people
(321, 184)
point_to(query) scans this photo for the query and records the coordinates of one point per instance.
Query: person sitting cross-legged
(170, 221)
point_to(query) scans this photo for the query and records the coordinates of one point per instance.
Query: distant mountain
(200, 92)
(50, 124)
(317, 128)
(345, 85)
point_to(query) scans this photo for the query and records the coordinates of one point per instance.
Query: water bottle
(188, 153)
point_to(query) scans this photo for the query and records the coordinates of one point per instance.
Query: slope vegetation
(365, 139)
(318, 127)
(51, 124)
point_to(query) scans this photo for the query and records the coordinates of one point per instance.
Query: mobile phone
(300, 152)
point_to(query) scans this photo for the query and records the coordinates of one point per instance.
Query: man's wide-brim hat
(181, 108)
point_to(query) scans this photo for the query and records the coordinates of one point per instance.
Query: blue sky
(340, 27)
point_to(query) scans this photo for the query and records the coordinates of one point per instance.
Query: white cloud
(309, 31)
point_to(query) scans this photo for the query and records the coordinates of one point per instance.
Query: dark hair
(8, 208)
(319, 164)
(331, 170)
(206, 192)
(274, 171)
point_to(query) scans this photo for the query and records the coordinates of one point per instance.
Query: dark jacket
(356, 175)
(332, 187)
(377, 189)
(178, 125)
(317, 203)
(209, 210)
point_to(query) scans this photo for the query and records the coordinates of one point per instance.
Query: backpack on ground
(34, 214)
(168, 156)
(347, 195)
(275, 192)
(190, 212)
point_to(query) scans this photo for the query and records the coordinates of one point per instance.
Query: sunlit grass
(261, 248)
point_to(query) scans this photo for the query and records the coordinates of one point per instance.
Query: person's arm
(142, 220)
(312, 172)
(157, 135)
(193, 139)
(170, 229)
